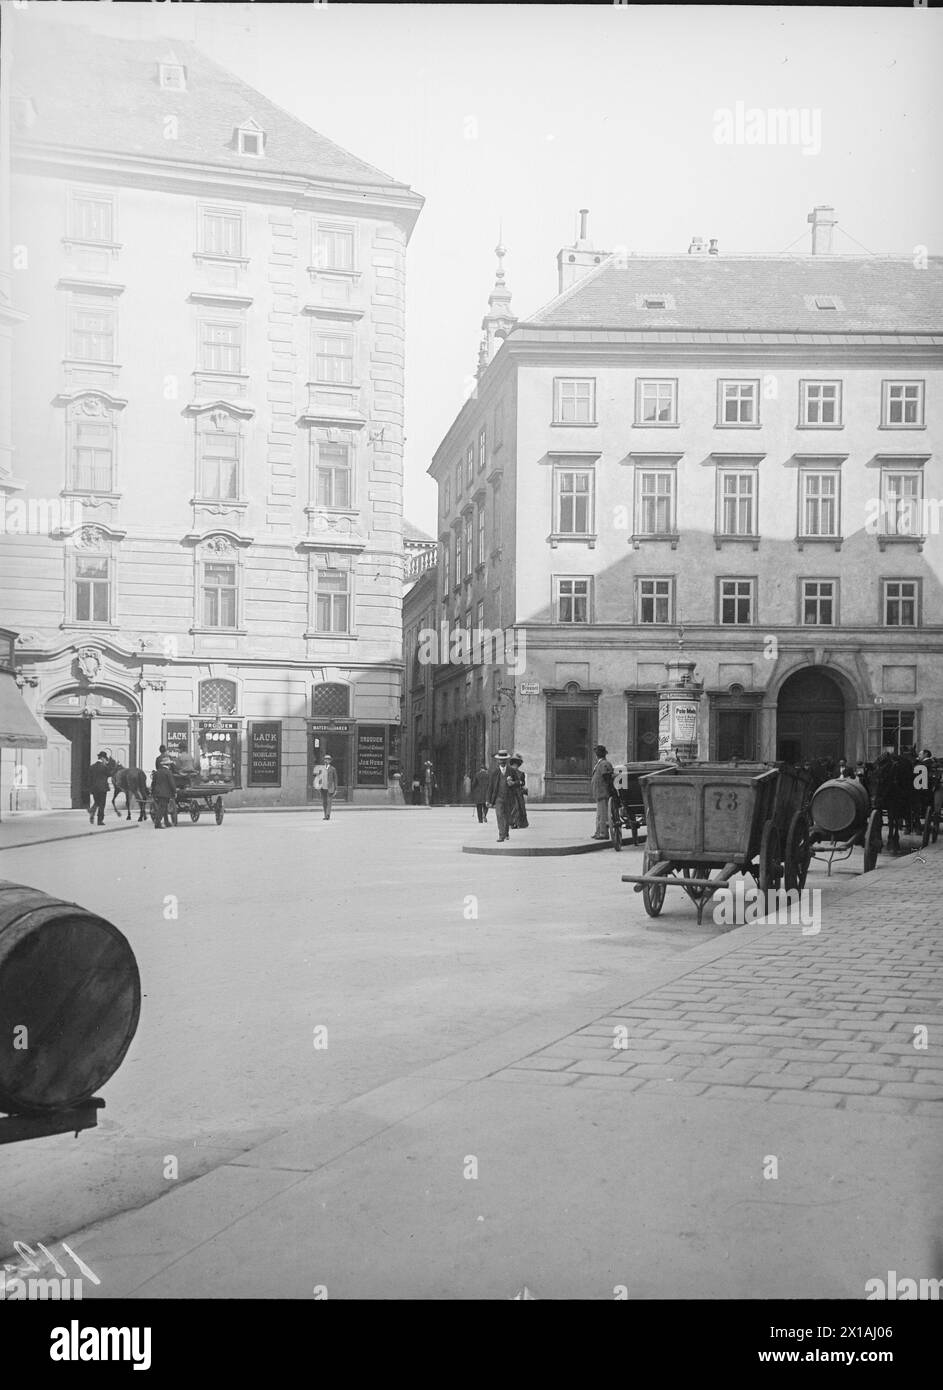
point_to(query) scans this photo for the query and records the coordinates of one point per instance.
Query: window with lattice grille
(217, 697)
(330, 701)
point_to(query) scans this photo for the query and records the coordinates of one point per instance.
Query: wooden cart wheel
(194, 812)
(798, 851)
(771, 859)
(615, 824)
(873, 840)
(219, 810)
(653, 894)
(174, 811)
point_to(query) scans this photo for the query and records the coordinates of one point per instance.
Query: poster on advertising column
(265, 753)
(371, 755)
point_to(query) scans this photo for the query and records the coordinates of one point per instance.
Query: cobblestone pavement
(850, 1018)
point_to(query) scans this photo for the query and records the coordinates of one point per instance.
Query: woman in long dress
(518, 817)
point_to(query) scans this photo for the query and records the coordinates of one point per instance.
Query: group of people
(504, 790)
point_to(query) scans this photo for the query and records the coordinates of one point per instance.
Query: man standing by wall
(482, 778)
(428, 784)
(601, 788)
(325, 781)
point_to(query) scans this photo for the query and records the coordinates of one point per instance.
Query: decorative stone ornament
(88, 660)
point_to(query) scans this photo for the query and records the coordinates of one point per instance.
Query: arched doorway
(810, 717)
(78, 723)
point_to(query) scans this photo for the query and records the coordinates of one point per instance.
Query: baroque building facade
(729, 461)
(207, 544)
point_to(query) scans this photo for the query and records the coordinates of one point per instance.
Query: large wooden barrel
(841, 807)
(70, 998)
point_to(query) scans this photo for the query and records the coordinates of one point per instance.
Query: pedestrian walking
(99, 776)
(163, 792)
(428, 784)
(416, 791)
(325, 781)
(601, 789)
(502, 789)
(518, 817)
(482, 778)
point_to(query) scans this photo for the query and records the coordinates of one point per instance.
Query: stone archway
(78, 721)
(810, 717)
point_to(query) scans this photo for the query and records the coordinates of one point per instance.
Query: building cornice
(188, 176)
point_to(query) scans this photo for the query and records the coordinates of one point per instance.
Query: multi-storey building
(208, 392)
(731, 459)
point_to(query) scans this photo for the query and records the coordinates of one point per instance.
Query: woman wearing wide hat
(518, 811)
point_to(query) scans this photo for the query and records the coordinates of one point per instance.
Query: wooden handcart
(709, 817)
(626, 806)
(841, 818)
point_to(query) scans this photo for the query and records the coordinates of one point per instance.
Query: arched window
(217, 697)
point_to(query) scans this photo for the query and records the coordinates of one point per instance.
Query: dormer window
(826, 301)
(654, 301)
(173, 77)
(250, 140)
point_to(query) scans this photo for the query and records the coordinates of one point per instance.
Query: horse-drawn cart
(626, 804)
(705, 817)
(194, 797)
(841, 818)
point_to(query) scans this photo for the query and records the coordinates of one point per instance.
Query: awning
(18, 727)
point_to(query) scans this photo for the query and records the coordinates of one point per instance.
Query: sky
(512, 118)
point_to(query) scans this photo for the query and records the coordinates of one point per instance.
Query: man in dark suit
(99, 775)
(163, 792)
(482, 779)
(601, 790)
(502, 790)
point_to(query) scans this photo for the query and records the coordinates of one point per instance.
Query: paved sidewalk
(43, 828)
(772, 1130)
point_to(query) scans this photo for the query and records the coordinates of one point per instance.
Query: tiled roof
(760, 293)
(95, 92)
(413, 536)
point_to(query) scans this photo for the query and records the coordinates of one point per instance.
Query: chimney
(575, 261)
(697, 246)
(713, 249)
(823, 220)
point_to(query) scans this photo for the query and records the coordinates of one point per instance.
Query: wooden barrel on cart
(70, 998)
(840, 807)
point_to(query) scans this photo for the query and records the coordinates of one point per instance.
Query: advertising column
(678, 707)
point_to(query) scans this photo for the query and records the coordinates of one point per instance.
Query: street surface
(375, 927)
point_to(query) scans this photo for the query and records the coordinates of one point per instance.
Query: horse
(133, 782)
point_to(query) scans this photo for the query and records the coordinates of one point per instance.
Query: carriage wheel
(653, 894)
(194, 812)
(219, 810)
(873, 841)
(798, 852)
(771, 859)
(615, 825)
(174, 811)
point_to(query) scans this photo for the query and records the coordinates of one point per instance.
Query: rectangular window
(654, 600)
(899, 729)
(739, 403)
(219, 472)
(496, 520)
(900, 602)
(736, 602)
(92, 335)
(574, 401)
(480, 544)
(446, 568)
(221, 232)
(819, 403)
(469, 542)
(480, 617)
(655, 507)
(901, 496)
(820, 492)
(572, 600)
(482, 449)
(737, 503)
(469, 465)
(219, 595)
(334, 358)
(446, 495)
(333, 475)
(574, 502)
(819, 602)
(457, 552)
(92, 589)
(656, 403)
(903, 404)
(93, 457)
(458, 480)
(221, 347)
(92, 217)
(334, 248)
(333, 601)
(498, 427)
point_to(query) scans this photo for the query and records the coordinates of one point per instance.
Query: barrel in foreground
(70, 999)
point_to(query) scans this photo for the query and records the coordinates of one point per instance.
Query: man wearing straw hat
(502, 792)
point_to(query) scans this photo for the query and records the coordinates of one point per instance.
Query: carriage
(840, 819)
(194, 797)
(626, 805)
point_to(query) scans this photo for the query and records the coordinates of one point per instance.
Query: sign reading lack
(371, 755)
(265, 753)
(177, 736)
